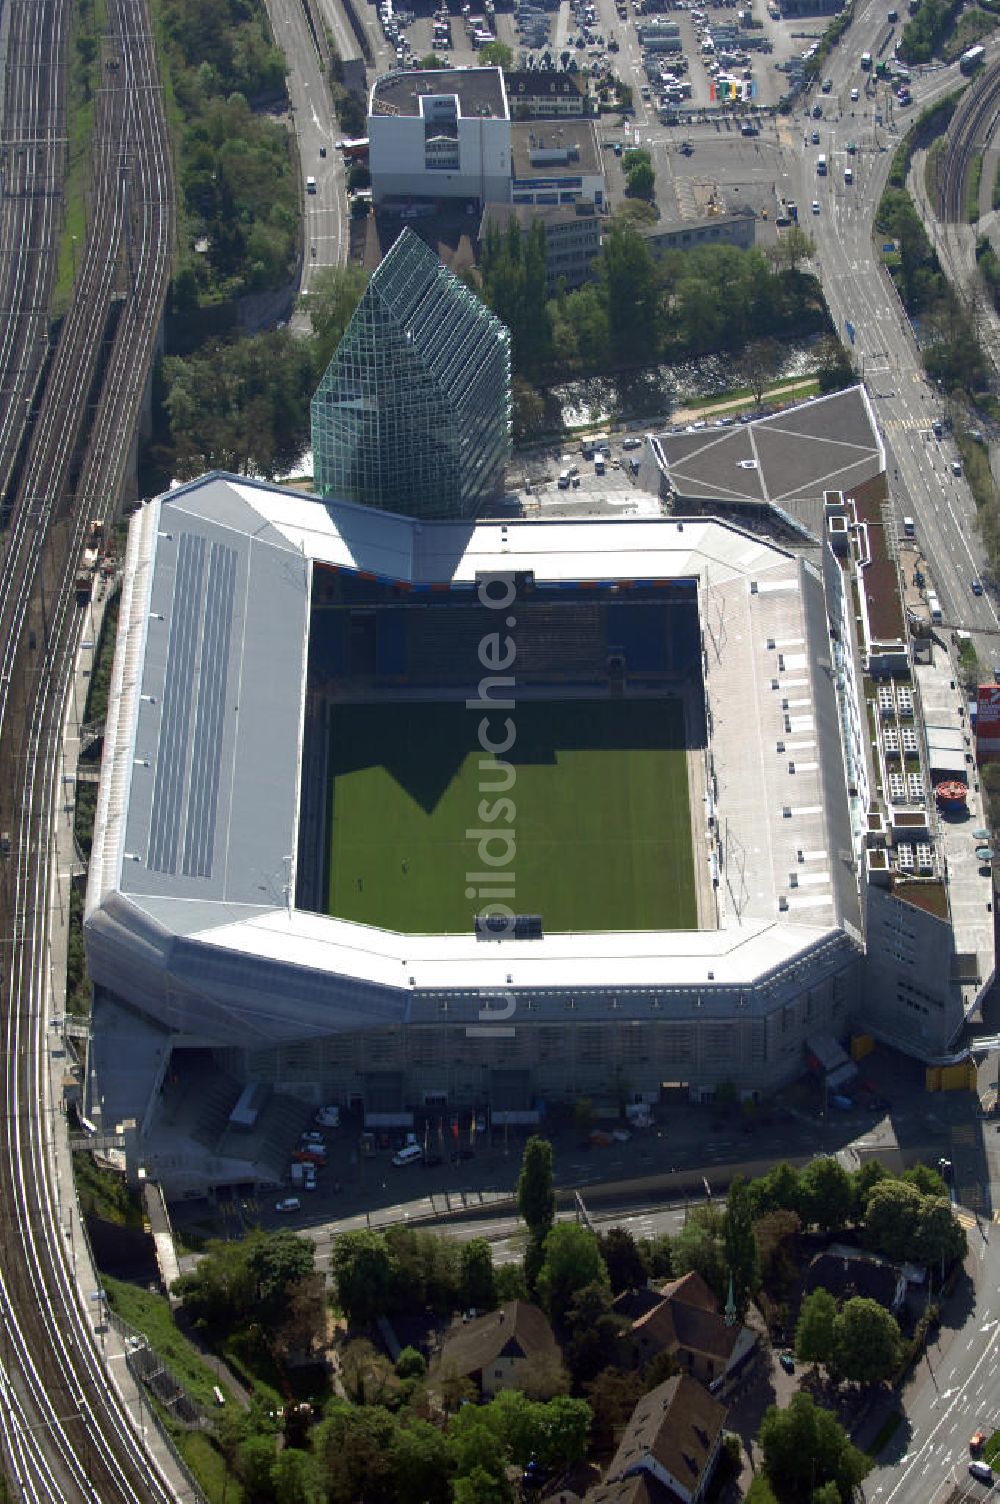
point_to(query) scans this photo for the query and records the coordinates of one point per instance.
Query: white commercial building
(440, 133)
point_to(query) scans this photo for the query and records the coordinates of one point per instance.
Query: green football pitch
(599, 814)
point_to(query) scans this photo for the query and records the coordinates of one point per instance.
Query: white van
(909, 527)
(408, 1156)
(310, 185)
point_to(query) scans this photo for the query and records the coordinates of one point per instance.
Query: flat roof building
(440, 133)
(556, 163)
(413, 414)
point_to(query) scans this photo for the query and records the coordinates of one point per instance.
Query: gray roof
(829, 444)
(479, 91)
(220, 686)
(577, 137)
(498, 216)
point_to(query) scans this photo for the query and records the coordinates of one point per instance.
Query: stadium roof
(198, 804)
(828, 444)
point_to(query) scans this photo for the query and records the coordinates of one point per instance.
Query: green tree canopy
(363, 1269)
(536, 1200)
(828, 1198)
(479, 1288)
(700, 1245)
(496, 55)
(804, 1447)
(866, 1342)
(572, 1259)
(814, 1330)
(626, 1264)
(334, 294)
(640, 181)
(740, 1245)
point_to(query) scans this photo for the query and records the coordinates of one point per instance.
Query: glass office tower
(414, 412)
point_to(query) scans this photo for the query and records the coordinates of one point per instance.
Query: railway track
(67, 1433)
(32, 153)
(971, 129)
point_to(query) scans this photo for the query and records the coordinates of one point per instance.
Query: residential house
(846, 1272)
(672, 1440)
(495, 1350)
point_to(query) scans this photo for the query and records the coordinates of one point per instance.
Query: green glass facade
(413, 414)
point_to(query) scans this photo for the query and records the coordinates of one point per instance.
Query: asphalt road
(860, 293)
(954, 1393)
(316, 128)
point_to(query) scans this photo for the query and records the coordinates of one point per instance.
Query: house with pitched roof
(682, 1318)
(495, 1350)
(669, 1450)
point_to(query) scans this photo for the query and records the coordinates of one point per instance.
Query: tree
(420, 1462)
(511, 1283)
(363, 1268)
(834, 367)
(815, 1328)
(627, 1268)
(828, 1198)
(866, 1342)
(628, 276)
(301, 1325)
(481, 1487)
(254, 1462)
(927, 1181)
(334, 294)
(411, 1364)
(827, 1493)
(496, 55)
(758, 366)
(700, 1246)
(430, 62)
(863, 1181)
(793, 247)
(741, 1251)
(566, 1426)
(613, 1395)
(368, 1376)
(594, 1330)
(295, 1478)
(779, 1190)
(641, 181)
(941, 1238)
(478, 1283)
(536, 1200)
(572, 1259)
(354, 1448)
(777, 1233)
(804, 1447)
(892, 1216)
(276, 1262)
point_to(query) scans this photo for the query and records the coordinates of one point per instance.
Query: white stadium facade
(206, 940)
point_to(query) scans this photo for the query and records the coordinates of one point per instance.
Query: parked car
(855, 96)
(787, 1362)
(632, 443)
(311, 1137)
(982, 1472)
(328, 1117)
(288, 1204)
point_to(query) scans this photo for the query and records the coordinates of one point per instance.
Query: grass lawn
(599, 815)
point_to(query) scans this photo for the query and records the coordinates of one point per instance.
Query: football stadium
(399, 814)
